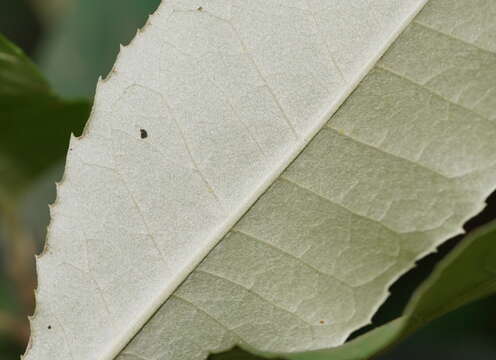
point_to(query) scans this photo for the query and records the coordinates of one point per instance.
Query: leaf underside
(406, 160)
(467, 274)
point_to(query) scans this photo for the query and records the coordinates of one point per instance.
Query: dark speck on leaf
(49, 327)
(322, 321)
(143, 133)
(200, 8)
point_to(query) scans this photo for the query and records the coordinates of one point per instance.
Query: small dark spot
(322, 321)
(143, 133)
(200, 8)
(49, 327)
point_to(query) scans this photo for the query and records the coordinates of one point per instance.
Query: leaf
(468, 274)
(174, 234)
(84, 42)
(18, 74)
(35, 123)
(35, 127)
(465, 275)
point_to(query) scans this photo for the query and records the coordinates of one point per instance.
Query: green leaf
(35, 123)
(83, 46)
(465, 275)
(212, 202)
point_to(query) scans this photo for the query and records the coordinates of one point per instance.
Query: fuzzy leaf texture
(25, 155)
(211, 201)
(467, 274)
(26, 100)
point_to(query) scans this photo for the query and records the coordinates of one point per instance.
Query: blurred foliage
(468, 333)
(18, 21)
(33, 118)
(50, 11)
(84, 44)
(18, 75)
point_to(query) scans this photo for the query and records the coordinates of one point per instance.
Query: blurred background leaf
(18, 75)
(74, 42)
(20, 23)
(83, 44)
(36, 123)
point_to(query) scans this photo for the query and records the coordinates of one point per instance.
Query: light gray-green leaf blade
(228, 99)
(32, 119)
(84, 40)
(465, 275)
(393, 174)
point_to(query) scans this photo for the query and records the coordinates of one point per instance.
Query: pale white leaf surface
(229, 93)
